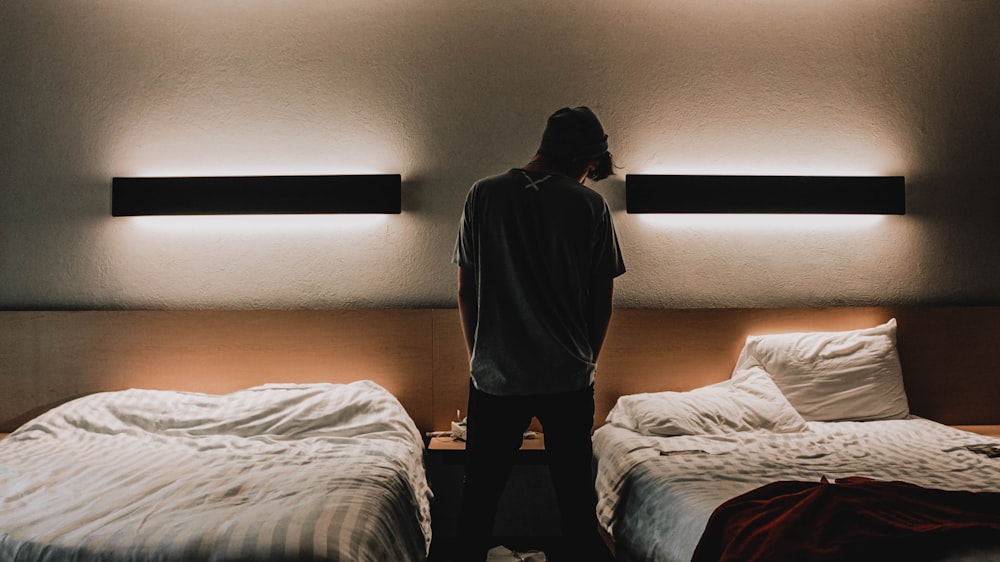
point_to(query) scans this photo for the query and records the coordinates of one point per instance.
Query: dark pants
(495, 425)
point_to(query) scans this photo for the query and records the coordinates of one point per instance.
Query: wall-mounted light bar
(765, 194)
(256, 195)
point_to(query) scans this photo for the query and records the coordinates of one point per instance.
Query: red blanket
(852, 519)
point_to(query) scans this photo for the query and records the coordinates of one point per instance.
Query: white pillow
(748, 401)
(834, 376)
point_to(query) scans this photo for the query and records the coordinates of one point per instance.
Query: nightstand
(527, 514)
(456, 448)
(987, 430)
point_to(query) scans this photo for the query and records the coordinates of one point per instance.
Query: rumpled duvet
(656, 494)
(277, 472)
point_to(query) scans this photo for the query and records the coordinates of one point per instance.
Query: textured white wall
(446, 91)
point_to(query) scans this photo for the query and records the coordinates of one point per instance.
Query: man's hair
(605, 167)
(574, 133)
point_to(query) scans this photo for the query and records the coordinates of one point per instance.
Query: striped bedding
(278, 472)
(657, 493)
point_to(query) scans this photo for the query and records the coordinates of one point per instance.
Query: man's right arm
(601, 297)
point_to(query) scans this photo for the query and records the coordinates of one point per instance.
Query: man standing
(537, 255)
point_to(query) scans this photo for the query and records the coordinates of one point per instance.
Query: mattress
(656, 494)
(277, 472)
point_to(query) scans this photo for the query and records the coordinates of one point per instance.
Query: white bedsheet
(701, 472)
(324, 472)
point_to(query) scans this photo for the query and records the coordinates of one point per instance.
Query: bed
(685, 475)
(315, 471)
(47, 357)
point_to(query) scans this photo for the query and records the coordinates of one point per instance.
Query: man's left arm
(468, 307)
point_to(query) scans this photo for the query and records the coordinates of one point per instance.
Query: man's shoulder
(501, 178)
(566, 187)
(497, 185)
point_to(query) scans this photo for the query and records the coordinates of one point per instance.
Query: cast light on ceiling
(880, 195)
(256, 195)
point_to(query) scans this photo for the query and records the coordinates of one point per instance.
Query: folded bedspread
(279, 472)
(851, 519)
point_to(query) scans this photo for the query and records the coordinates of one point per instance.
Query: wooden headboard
(48, 357)
(948, 354)
(52, 356)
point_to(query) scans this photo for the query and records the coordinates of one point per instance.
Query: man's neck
(543, 165)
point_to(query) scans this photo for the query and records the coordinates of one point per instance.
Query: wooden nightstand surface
(3, 435)
(988, 430)
(449, 444)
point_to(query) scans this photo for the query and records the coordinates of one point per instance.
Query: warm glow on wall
(763, 223)
(255, 224)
